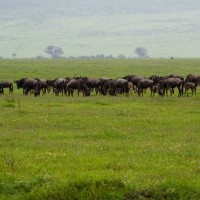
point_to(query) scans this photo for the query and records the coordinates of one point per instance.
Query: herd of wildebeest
(103, 86)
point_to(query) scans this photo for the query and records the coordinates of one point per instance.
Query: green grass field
(99, 147)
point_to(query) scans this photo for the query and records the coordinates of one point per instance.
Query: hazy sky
(88, 27)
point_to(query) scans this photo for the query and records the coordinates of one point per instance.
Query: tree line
(56, 52)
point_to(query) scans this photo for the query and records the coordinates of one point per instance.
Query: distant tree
(55, 52)
(14, 55)
(141, 52)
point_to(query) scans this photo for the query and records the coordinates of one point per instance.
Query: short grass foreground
(99, 147)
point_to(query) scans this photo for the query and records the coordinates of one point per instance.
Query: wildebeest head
(161, 92)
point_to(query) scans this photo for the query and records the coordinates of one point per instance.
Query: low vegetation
(99, 147)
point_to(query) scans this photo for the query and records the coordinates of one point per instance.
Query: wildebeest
(135, 80)
(50, 84)
(193, 78)
(7, 84)
(93, 83)
(60, 85)
(43, 85)
(120, 86)
(20, 83)
(144, 84)
(192, 86)
(31, 85)
(79, 85)
(105, 84)
(165, 84)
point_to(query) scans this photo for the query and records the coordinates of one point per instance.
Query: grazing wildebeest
(193, 78)
(31, 85)
(79, 85)
(43, 85)
(135, 80)
(93, 83)
(60, 85)
(20, 83)
(192, 86)
(119, 86)
(7, 84)
(50, 84)
(104, 85)
(162, 86)
(165, 84)
(144, 84)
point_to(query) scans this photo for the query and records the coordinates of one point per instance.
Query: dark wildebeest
(31, 85)
(119, 86)
(144, 84)
(43, 85)
(165, 84)
(79, 85)
(104, 85)
(50, 84)
(60, 85)
(20, 83)
(135, 80)
(93, 83)
(192, 86)
(162, 86)
(193, 78)
(7, 84)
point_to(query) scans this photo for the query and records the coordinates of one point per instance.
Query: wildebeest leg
(166, 92)
(1, 91)
(65, 90)
(192, 91)
(26, 91)
(72, 92)
(179, 91)
(151, 89)
(10, 89)
(186, 91)
(45, 90)
(139, 92)
(171, 91)
(131, 91)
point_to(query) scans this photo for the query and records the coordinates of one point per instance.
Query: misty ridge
(100, 27)
(95, 7)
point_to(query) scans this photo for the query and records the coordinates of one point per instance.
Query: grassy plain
(99, 147)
